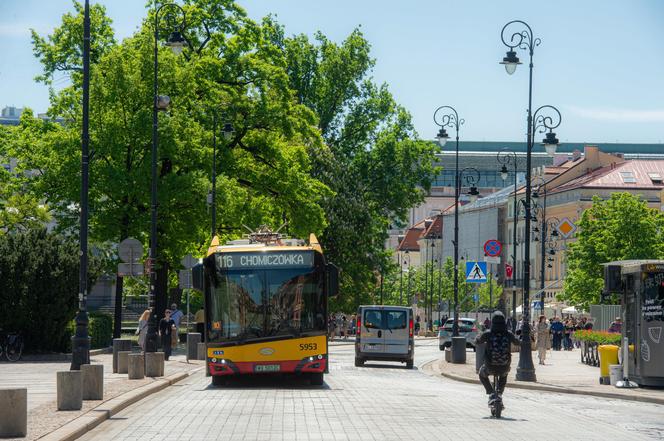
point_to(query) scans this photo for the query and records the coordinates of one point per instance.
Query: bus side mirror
(332, 280)
(197, 277)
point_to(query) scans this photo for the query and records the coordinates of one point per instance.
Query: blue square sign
(476, 272)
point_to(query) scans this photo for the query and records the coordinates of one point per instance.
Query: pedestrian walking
(569, 328)
(344, 327)
(142, 328)
(542, 335)
(199, 318)
(557, 329)
(166, 331)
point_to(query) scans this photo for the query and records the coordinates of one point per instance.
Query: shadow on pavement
(268, 382)
(389, 366)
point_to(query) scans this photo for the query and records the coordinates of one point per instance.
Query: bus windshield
(258, 304)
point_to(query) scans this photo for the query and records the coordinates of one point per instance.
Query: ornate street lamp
(524, 39)
(176, 17)
(507, 157)
(81, 338)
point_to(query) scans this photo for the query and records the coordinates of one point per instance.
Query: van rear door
(373, 338)
(395, 330)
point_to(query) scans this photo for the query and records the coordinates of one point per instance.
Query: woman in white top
(142, 328)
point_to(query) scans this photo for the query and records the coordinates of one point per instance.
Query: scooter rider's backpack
(498, 349)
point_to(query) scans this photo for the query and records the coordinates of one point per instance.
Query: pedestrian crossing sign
(476, 272)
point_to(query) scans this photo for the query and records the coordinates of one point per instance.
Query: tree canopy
(619, 228)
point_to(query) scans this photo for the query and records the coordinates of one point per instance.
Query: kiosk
(641, 285)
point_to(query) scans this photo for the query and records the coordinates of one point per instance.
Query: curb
(88, 421)
(562, 390)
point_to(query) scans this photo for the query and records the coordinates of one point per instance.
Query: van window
(396, 319)
(373, 319)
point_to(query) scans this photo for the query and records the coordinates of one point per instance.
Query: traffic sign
(130, 250)
(188, 261)
(130, 269)
(184, 277)
(566, 227)
(490, 259)
(493, 248)
(476, 272)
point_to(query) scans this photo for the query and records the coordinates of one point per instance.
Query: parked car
(467, 328)
(384, 333)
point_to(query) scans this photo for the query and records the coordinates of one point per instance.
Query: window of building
(656, 178)
(628, 177)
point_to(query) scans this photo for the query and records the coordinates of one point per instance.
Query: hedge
(100, 330)
(599, 337)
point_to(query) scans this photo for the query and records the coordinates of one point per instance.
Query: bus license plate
(267, 368)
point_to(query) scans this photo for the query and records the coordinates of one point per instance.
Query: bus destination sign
(266, 260)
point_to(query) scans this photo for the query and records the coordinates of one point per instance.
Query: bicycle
(496, 404)
(12, 346)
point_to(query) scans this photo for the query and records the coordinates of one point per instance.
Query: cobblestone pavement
(375, 402)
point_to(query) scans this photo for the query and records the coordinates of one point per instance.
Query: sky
(600, 62)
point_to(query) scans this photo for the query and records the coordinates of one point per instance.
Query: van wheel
(409, 364)
(359, 362)
(316, 379)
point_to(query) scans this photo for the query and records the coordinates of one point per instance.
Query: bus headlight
(213, 360)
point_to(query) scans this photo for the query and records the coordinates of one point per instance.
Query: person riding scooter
(498, 354)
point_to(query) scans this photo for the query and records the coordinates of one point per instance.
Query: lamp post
(228, 134)
(524, 39)
(81, 338)
(160, 103)
(430, 292)
(507, 157)
(548, 233)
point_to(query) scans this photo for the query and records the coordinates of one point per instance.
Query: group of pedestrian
(339, 324)
(167, 329)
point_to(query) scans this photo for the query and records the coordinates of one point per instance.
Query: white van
(384, 333)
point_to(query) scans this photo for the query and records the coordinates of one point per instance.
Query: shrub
(599, 337)
(101, 330)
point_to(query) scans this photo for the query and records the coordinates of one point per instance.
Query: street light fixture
(525, 40)
(160, 103)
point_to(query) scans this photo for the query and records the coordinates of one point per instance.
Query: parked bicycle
(11, 344)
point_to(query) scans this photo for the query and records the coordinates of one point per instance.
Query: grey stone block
(193, 339)
(119, 344)
(69, 390)
(13, 412)
(136, 366)
(93, 381)
(154, 364)
(202, 352)
(123, 361)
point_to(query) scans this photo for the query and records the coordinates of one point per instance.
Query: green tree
(376, 166)
(233, 70)
(619, 228)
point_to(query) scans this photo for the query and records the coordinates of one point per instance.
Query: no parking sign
(493, 248)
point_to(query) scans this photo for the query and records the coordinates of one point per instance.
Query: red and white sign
(508, 271)
(493, 248)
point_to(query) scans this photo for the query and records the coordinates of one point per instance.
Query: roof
(632, 174)
(413, 234)
(435, 229)
(566, 147)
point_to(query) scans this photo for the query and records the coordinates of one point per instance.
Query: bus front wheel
(316, 379)
(218, 380)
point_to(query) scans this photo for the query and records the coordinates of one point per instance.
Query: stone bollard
(123, 361)
(13, 412)
(136, 368)
(93, 381)
(201, 352)
(154, 364)
(193, 339)
(119, 344)
(69, 390)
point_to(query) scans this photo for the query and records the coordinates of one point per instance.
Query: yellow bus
(266, 306)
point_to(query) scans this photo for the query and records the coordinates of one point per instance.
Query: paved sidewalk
(40, 379)
(563, 372)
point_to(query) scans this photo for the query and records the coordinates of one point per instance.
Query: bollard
(69, 390)
(123, 361)
(136, 367)
(154, 364)
(202, 351)
(480, 351)
(459, 350)
(13, 412)
(119, 344)
(93, 381)
(193, 339)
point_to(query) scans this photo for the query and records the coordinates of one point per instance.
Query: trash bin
(480, 351)
(608, 355)
(616, 373)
